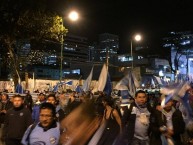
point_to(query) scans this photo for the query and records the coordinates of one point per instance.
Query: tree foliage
(29, 20)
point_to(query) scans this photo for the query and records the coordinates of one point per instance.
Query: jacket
(159, 120)
(16, 122)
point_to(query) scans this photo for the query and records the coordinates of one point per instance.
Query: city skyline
(152, 19)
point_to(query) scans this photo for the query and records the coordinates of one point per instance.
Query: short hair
(6, 95)
(41, 94)
(108, 100)
(18, 96)
(140, 91)
(51, 95)
(50, 107)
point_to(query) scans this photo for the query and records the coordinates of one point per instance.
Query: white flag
(86, 85)
(102, 78)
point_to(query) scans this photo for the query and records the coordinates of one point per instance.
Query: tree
(27, 19)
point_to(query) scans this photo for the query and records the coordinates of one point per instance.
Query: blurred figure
(17, 119)
(79, 125)
(167, 125)
(63, 101)
(72, 103)
(47, 131)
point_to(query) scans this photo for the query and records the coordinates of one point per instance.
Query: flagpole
(33, 82)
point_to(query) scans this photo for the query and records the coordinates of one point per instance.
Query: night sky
(152, 19)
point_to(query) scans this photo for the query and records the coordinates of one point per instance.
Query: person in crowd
(36, 108)
(5, 105)
(28, 101)
(63, 101)
(113, 123)
(46, 131)
(72, 103)
(59, 112)
(167, 125)
(99, 105)
(137, 120)
(17, 120)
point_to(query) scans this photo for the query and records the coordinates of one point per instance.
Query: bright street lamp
(136, 38)
(73, 16)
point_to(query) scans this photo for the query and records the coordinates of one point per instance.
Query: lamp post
(73, 16)
(136, 38)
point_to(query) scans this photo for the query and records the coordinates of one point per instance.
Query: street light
(73, 16)
(136, 38)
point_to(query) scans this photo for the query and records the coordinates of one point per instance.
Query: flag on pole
(108, 86)
(102, 78)
(86, 85)
(19, 89)
(128, 82)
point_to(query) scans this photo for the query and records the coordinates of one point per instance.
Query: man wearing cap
(167, 125)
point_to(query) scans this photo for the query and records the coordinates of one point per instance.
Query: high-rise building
(181, 47)
(75, 49)
(108, 47)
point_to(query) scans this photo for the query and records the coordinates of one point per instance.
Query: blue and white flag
(69, 83)
(108, 86)
(19, 89)
(102, 78)
(56, 88)
(78, 89)
(130, 82)
(86, 85)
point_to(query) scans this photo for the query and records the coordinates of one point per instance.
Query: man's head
(51, 99)
(140, 97)
(47, 114)
(18, 101)
(168, 106)
(4, 97)
(41, 97)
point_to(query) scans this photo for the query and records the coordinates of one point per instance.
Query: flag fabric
(158, 79)
(86, 85)
(152, 83)
(69, 83)
(78, 89)
(108, 86)
(56, 88)
(102, 78)
(19, 89)
(130, 82)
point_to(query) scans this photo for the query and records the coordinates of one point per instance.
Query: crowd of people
(71, 118)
